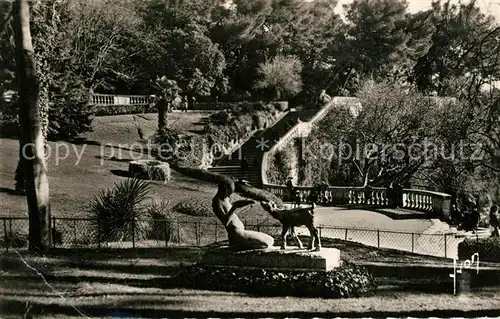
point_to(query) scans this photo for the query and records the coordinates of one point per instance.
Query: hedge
(346, 281)
(487, 248)
(101, 110)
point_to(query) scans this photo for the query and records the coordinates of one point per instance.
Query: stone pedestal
(274, 258)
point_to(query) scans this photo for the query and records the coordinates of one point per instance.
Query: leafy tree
(282, 76)
(388, 141)
(465, 50)
(181, 48)
(377, 34)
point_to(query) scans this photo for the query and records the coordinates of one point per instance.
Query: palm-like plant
(165, 222)
(168, 93)
(281, 75)
(118, 213)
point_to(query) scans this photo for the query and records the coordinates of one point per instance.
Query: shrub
(150, 169)
(279, 168)
(15, 239)
(193, 208)
(487, 248)
(69, 112)
(281, 76)
(190, 151)
(115, 211)
(179, 149)
(345, 281)
(9, 118)
(101, 110)
(220, 118)
(164, 222)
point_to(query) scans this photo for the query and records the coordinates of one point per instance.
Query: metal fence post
(319, 229)
(6, 240)
(53, 232)
(378, 238)
(198, 232)
(133, 232)
(445, 252)
(215, 237)
(98, 235)
(166, 233)
(74, 232)
(346, 234)
(412, 242)
(179, 232)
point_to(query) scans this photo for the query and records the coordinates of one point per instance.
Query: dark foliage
(220, 118)
(123, 109)
(487, 248)
(346, 281)
(115, 211)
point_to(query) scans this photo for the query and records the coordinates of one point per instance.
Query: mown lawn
(132, 282)
(73, 183)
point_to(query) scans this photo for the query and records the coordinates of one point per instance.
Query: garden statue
(295, 217)
(239, 237)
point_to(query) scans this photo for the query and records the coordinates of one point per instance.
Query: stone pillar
(441, 206)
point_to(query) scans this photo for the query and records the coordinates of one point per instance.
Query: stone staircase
(254, 148)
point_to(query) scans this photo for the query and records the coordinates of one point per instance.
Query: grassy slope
(73, 183)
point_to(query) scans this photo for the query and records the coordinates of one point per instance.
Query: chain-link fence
(89, 233)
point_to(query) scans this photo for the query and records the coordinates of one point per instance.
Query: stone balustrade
(110, 99)
(339, 195)
(435, 203)
(439, 204)
(303, 129)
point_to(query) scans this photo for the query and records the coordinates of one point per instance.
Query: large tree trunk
(161, 105)
(32, 142)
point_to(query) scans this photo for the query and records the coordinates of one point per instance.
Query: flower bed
(345, 281)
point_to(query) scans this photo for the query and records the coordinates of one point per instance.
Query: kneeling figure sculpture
(239, 237)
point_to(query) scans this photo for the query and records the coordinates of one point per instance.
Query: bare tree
(32, 141)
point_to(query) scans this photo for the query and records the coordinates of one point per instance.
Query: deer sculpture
(290, 218)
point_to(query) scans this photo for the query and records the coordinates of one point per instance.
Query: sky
(491, 7)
